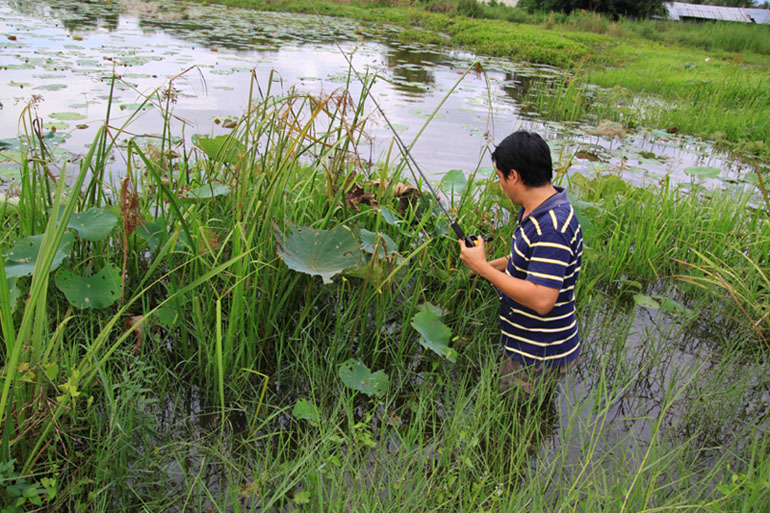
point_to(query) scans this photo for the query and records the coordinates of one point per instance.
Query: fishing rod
(470, 240)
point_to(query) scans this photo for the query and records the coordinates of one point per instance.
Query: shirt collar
(556, 199)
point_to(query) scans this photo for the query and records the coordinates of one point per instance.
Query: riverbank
(712, 81)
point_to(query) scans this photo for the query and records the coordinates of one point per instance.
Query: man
(536, 281)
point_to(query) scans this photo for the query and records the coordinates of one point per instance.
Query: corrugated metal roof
(679, 10)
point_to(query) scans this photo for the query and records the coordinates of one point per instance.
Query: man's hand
(475, 258)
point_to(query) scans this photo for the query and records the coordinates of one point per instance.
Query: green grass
(198, 413)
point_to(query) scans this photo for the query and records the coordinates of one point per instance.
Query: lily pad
(222, 148)
(357, 376)
(702, 171)
(318, 252)
(435, 334)
(385, 245)
(305, 410)
(21, 259)
(646, 301)
(67, 116)
(453, 182)
(98, 291)
(94, 224)
(51, 87)
(208, 191)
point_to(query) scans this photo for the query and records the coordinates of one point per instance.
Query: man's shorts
(515, 375)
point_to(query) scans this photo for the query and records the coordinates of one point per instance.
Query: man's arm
(536, 297)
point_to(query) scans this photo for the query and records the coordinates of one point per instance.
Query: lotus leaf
(646, 301)
(357, 376)
(385, 245)
(318, 252)
(389, 216)
(98, 291)
(222, 148)
(435, 334)
(20, 260)
(67, 116)
(94, 224)
(154, 232)
(305, 410)
(434, 309)
(702, 171)
(453, 182)
(676, 308)
(208, 191)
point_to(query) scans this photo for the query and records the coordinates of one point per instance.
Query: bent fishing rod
(470, 240)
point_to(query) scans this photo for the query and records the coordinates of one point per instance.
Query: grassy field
(241, 326)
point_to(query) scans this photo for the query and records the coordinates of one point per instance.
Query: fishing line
(470, 240)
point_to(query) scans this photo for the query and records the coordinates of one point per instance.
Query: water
(59, 57)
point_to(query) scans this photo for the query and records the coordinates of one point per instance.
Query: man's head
(526, 153)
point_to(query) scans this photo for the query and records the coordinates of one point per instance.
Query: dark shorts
(514, 375)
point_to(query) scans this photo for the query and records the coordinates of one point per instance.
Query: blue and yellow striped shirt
(546, 249)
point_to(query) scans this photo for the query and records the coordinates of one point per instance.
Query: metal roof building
(683, 11)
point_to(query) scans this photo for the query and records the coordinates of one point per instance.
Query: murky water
(59, 56)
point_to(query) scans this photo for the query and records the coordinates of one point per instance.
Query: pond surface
(59, 57)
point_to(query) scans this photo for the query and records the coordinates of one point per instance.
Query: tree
(615, 8)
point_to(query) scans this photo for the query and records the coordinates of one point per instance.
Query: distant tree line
(630, 8)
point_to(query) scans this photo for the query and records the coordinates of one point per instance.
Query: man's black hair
(528, 154)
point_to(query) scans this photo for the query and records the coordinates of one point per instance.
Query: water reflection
(412, 68)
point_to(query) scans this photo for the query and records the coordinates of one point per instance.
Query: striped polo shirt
(546, 249)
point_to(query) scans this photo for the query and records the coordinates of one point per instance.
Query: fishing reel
(470, 240)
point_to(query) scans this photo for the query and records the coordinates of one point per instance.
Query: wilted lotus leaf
(305, 410)
(702, 171)
(20, 260)
(357, 376)
(210, 190)
(222, 148)
(385, 245)
(93, 224)
(435, 334)
(454, 182)
(404, 192)
(97, 291)
(608, 128)
(318, 252)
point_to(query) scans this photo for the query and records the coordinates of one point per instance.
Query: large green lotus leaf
(318, 252)
(357, 376)
(453, 182)
(208, 191)
(222, 148)
(97, 291)
(94, 224)
(435, 334)
(20, 260)
(702, 171)
(385, 246)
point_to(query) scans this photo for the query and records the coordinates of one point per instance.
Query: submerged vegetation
(267, 321)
